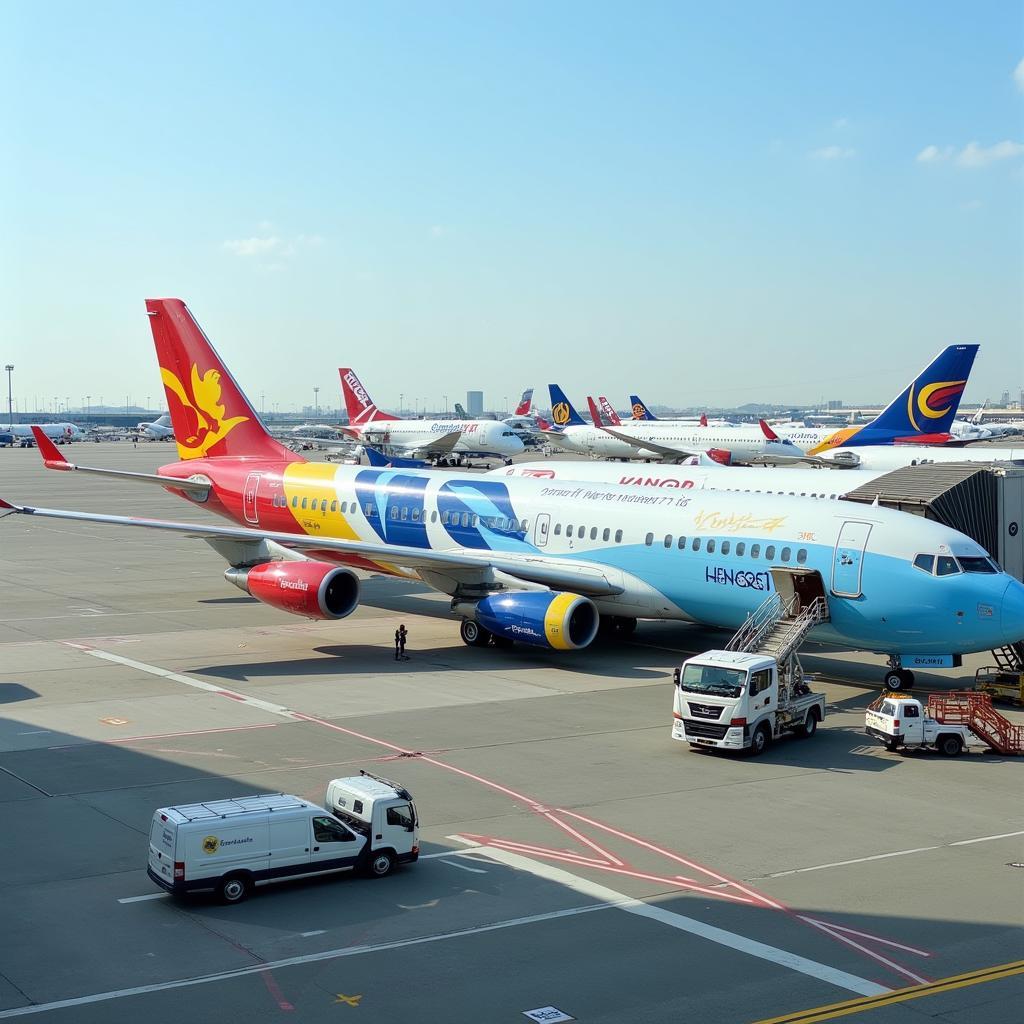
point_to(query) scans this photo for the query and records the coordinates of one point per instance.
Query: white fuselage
(886, 457)
(477, 437)
(742, 442)
(810, 483)
(54, 431)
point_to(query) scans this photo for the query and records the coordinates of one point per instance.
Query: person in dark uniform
(401, 634)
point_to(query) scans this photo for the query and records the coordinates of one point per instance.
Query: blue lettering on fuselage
(742, 578)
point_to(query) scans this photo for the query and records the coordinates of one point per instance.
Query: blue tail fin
(640, 410)
(562, 412)
(923, 411)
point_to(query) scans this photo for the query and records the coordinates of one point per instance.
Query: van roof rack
(400, 790)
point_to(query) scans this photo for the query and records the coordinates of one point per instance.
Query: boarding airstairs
(976, 712)
(1011, 657)
(777, 628)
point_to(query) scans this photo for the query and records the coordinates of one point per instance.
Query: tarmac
(574, 856)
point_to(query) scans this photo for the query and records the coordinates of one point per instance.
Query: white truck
(230, 846)
(948, 723)
(737, 701)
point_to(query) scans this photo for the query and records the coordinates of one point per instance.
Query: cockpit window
(946, 566)
(926, 563)
(976, 564)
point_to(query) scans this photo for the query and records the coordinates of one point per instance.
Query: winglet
(52, 458)
(767, 431)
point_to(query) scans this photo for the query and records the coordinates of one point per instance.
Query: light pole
(88, 403)
(446, 407)
(316, 402)
(10, 407)
(401, 403)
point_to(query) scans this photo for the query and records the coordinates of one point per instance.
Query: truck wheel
(474, 634)
(949, 745)
(894, 680)
(380, 864)
(233, 888)
(759, 741)
(891, 746)
(810, 724)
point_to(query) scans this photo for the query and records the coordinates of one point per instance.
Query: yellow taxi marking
(864, 1003)
(347, 1000)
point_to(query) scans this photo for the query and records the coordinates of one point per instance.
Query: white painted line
(858, 860)
(741, 943)
(35, 732)
(986, 839)
(309, 935)
(464, 867)
(450, 853)
(294, 961)
(140, 899)
(896, 853)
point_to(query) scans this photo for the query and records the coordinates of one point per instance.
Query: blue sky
(705, 203)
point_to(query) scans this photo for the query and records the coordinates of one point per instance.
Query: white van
(230, 846)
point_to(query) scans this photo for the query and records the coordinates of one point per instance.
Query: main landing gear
(897, 677)
(616, 627)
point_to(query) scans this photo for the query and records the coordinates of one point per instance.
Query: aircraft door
(848, 562)
(252, 485)
(541, 527)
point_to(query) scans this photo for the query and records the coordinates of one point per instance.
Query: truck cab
(381, 811)
(902, 721)
(739, 701)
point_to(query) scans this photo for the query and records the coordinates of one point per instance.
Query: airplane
(159, 430)
(664, 439)
(896, 456)
(921, 414)
(546, 565)
(432, 439)
(708, 474)
(24, 436)
(641, 411)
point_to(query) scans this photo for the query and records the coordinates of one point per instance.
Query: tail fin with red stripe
(523, 408)
(358, 403)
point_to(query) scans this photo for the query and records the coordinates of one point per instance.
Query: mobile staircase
(974, 710)
(776, 629)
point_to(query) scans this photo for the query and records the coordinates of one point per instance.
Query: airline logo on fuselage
(654, 481)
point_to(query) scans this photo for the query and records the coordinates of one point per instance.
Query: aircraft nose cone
(1013, 612)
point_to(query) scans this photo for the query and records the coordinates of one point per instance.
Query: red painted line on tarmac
(583, 839)
(275, 990)
(868, 935)
(233, 696)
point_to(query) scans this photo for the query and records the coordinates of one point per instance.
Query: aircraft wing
(459, 565)
(440, 445)
(650, 446)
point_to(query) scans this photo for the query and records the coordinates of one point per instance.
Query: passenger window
(323, 505)
(304, 501)
(926, 563)
(465, 519)
(649, 539)
(681, 544)
(394, 511)
(668, 540)
(401, 816)
(725, 547)
(368, 509)
(946, 566)
(786, 553)
(568, 531)
(474, 520)
(618, 536)
(558, 529)
(769, 552)
(695, 546)
(711, 547)
(607, 534)
(755, 550)
(326, 830)
(415, 515)
(740, 548)
(295, 501)
(593, 533)
(801, 556)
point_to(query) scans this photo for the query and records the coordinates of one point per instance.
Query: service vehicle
(230, 846)
(735, 700)
(948, 723)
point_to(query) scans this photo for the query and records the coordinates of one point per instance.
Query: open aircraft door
(252, 485)
(541, 527)
(848, 562)
(805, 585)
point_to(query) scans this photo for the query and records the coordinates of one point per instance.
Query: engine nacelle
(317, 590)
(544, 618)
(847, 460)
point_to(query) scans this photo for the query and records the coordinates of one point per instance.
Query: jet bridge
(985, 501)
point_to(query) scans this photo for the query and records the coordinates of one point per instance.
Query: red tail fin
(210, 415)
(606, 408)
(767, 431)
(358, 403)
(523, 408)
(594, 414)
(703, 419)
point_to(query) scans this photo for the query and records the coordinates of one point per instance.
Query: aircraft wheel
(895, 680)
(474, 634)
(908, 677)
(625, 626)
